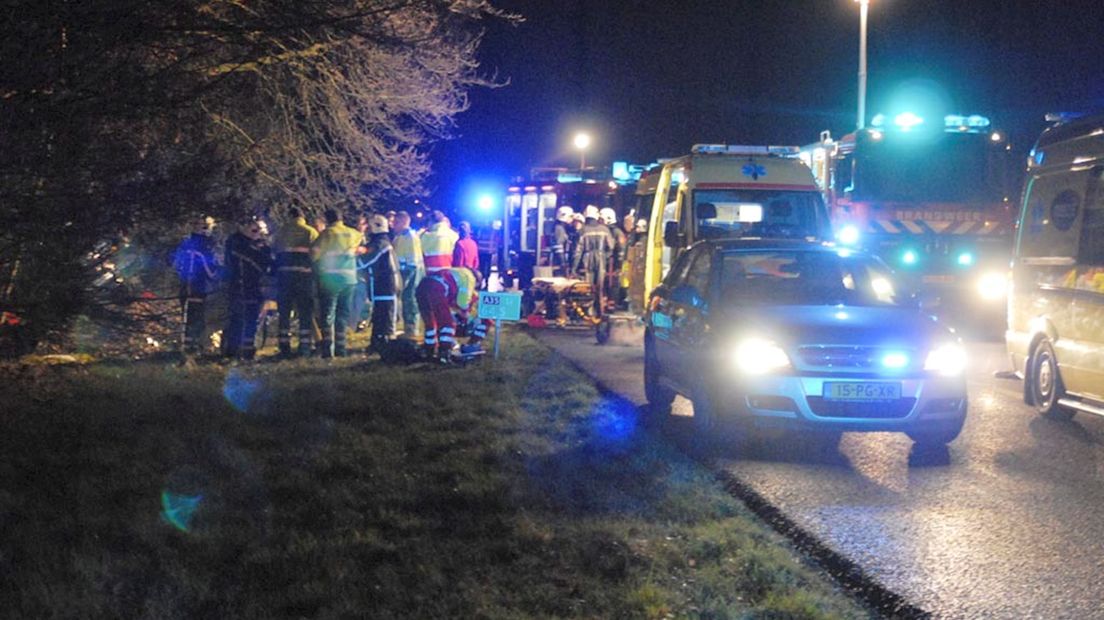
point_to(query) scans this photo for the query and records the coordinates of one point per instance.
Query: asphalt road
(1008, 522)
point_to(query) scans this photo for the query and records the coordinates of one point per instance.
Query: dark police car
(799, 335)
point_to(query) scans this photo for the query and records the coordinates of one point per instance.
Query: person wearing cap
(295, 281)
(334, 253)
(595, 248)
(408, 252)
(248, 259)
(380, 269)
(195, 262)
(438, 242)
(466, 252)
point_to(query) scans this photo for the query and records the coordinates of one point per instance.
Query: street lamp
(582, 142)
(864, 9)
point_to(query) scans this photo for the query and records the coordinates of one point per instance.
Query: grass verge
(306, 489)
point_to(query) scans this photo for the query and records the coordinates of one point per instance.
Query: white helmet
(378, 224)
(608, 216)
(565, 213)
(591, 212)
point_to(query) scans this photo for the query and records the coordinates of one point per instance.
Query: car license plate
(862, 391)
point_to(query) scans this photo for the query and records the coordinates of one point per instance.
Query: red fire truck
(531, 205)
(931, 197)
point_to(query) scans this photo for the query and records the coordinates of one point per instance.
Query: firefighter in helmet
(248, 260)
(595, 247)
(380, 270)
(620, 251)
(561, 238)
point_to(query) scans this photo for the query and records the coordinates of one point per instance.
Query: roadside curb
(846, 573)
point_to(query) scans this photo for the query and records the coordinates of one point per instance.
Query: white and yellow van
(1056, 303)
(721, 191)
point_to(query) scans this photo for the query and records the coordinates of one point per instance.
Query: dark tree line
(126, 117)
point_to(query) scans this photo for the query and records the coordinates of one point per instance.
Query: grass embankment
(306, 489)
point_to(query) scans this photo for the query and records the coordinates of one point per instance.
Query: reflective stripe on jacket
(437, 245)
(335, 255)
(293, 243)
(408, 250)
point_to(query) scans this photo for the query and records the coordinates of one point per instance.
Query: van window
(760, 213)
(1090, 250)
(1052, 209)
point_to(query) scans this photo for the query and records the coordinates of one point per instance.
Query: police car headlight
(993, 286)
(947, 359)
(756, 356)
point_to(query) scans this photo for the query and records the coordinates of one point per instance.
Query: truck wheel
(1045, 383)
(659, 397)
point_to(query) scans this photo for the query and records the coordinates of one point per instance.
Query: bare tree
(124, 117)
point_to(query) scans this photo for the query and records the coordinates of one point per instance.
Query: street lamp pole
(582, 141)
(864, 9)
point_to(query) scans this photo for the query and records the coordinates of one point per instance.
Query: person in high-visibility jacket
(445, 296)
(195, 263)
(334, 253)
(380, 270)
(408, 252)
(438, 243)
(295, 281)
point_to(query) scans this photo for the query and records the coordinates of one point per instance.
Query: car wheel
(712, 429)
(936, 436)
(1045, 384)
(659, 397)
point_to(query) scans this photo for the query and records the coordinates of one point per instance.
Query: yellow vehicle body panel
(1057, 290)
(678, 177)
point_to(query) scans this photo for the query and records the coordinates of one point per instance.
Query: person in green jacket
(295, 281)
(334, 255)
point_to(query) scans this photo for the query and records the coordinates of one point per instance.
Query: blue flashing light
(965, 259)
(848, 235)
(909, 257)
(878, 120)
(907, 120)
(485, 202)
(895, 360)
(620, 171)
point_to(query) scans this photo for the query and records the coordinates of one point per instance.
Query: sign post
(499, 307)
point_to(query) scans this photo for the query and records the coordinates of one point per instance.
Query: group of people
(325, 274)
(591, 245)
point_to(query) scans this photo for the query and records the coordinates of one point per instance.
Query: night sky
(648, 79)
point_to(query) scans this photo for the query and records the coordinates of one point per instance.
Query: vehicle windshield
(760, 213)
(805, 278)
(910, 168)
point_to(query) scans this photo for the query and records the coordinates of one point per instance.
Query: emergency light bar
(741, 149)
(974, 121)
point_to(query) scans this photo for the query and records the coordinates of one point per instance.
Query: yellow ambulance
(1056, 303)
(720, 191)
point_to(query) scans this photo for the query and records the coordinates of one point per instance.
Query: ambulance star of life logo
(754, 171)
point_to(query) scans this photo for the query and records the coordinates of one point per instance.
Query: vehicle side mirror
(671, 236)
(707, 211)
(687, 296)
